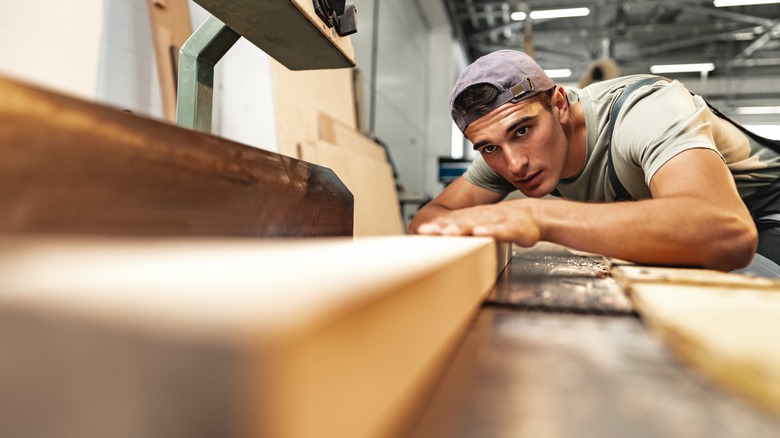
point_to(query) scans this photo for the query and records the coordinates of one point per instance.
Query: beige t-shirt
(656, 123)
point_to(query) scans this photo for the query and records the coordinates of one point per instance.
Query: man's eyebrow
(517, 123)
(508, 130)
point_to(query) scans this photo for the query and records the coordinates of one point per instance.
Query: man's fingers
(429, 228)
(482, 230)
(523, 235)
(452, 230)
(448, 229)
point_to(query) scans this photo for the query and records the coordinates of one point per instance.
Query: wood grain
(70, 166)
(238, 337)
(724, 325)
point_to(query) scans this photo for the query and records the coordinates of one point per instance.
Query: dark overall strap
(621, 194)
(768, 142)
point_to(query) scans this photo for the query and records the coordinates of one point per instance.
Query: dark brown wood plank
(69, 166)
(542, 374)
(550, 278)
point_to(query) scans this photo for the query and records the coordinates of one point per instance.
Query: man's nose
(515, 162)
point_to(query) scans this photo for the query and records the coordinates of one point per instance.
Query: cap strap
(515, 93)
(518, 90)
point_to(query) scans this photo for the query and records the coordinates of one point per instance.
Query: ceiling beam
(760, 41)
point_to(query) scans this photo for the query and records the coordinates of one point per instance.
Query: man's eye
(488, 149)
(522, 131)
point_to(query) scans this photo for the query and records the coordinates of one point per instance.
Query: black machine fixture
(338, 15)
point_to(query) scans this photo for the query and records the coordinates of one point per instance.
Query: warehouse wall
(52, 43)
(406, 54)
(102, 50)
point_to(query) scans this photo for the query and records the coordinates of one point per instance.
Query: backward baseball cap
(515, 74)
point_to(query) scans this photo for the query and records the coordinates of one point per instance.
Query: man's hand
(461, 194)
(511, 221)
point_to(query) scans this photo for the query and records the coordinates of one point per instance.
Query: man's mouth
(530, 179)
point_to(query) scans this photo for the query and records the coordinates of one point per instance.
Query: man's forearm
(674, 231)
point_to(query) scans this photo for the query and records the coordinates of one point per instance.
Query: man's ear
(560, 104)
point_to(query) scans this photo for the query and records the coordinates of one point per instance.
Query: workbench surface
(557, 351)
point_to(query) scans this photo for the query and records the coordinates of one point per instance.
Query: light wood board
(725, 325)
(171, 27)
(339, 134)
(197, 337)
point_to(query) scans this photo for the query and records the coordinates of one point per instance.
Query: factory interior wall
(35, 51)
(404, 50)
(101, 50)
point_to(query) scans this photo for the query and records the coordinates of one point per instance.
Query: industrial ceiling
(742, 43)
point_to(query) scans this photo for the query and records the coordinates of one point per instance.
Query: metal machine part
(338, 15)
(290, 31)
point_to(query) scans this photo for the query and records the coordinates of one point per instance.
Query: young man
(687, 168)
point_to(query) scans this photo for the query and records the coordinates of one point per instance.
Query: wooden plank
(170, 22)
(542, 374)
(288, 30)
(377, 210)
(725, 325)
(204, 337)
(70, 166)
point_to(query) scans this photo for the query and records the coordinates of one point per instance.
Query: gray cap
(516, 75)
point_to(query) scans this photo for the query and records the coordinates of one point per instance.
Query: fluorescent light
(549, 14)
(750, 110)
(558, 73)
(682, 68)
(768, 131)
(727, 3)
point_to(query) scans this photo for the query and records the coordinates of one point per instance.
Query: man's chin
(534, 192)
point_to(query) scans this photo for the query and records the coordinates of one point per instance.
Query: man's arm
(696, 217)
(458, 195)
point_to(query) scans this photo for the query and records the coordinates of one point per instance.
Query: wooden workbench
(558, 351)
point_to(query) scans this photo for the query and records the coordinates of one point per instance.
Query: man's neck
(577, 137)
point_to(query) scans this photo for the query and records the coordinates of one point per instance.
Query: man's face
(524, 143)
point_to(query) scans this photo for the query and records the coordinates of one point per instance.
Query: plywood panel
(326, 338)
(299, 96)
(170, 21)
(347, 137)
(725, 325)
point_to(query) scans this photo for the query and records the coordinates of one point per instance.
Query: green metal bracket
(198, 56)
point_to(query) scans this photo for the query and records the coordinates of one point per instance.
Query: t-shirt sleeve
(482, 175)
(656, 124)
